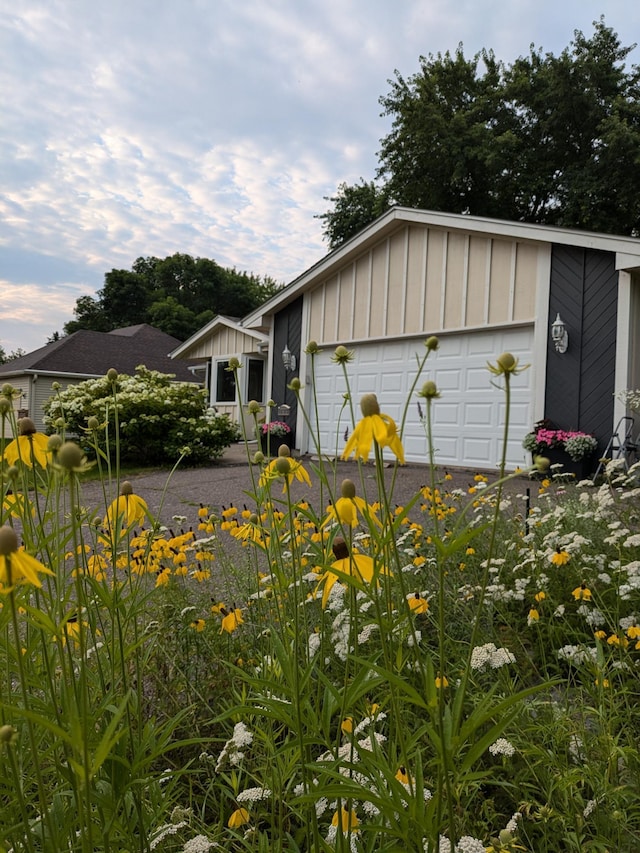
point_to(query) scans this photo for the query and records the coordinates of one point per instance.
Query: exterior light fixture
(288, 359)
(559, 334)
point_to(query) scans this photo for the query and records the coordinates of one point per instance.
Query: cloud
(216, 129)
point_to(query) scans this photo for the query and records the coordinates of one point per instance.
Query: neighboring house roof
(207, 331)
(86, 353)
(627, 249)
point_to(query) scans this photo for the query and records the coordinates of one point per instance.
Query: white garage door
(468, 417)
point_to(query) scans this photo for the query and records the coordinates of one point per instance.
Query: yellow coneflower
(231, 620)
(359, 566)
(582, 593)
(127, 509)
(402, 775)
(346, 819)
(560, 557)
(294, 470)
(374, 426)
(238, 818)
(346, 726)
(16, 566)
(349, 504)
(29, 446)
(417, 604)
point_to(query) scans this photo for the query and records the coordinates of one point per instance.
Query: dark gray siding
(287, 331)
(580, 382)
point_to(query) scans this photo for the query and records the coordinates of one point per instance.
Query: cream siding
(434, 283)
(455, 281)
(414, 296)
(330, 309)
(344, 323)
(424, 279)
(525, 290)
(396, 286)
(379, 282)
(500, 282)
(316, 313)
(223, 342)
(479, 260)
(362, 297)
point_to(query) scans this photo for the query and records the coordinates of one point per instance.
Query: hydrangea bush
(155, 418)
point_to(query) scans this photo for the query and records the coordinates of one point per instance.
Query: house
(87, 355)
(208, 353)
(483, 286)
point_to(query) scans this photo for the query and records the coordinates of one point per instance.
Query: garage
(468, 417)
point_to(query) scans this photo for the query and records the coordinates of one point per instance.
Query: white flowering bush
(156, 419)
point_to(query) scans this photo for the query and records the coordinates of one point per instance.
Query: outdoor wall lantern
(288, 359)
(559, 334)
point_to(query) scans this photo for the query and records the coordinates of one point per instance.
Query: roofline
(627, 249)
(33, 371)
(218, 320)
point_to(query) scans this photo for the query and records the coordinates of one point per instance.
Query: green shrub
(155, 418)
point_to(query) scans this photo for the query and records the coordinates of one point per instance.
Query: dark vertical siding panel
(580, 383)
(599, 329)
(287, 331)
(562, 387)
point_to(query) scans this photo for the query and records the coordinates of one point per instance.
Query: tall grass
(440, 676)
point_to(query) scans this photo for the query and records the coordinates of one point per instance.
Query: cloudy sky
(212, 127)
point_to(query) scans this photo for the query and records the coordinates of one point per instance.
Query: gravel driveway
(229, 481)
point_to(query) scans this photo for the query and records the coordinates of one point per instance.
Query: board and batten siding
(224, 342)
(422, 279)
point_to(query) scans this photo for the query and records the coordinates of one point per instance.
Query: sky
(215, 128)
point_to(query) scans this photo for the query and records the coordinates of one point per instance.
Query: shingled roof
(86, 353)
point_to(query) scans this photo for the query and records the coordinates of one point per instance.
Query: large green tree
(177, 294)
(548, 139)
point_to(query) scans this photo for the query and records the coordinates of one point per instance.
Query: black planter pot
(581, 469)
(271, 444)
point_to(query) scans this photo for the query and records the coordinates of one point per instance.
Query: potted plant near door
(572, 449)
(272, 435)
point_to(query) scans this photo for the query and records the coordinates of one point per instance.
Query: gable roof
(86, 353)
(206, 331)
(626, 249)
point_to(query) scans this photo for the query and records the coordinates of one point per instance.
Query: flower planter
(581, 469)
(271, 444)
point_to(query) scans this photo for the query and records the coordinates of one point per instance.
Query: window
(225, 383)
(255, 379)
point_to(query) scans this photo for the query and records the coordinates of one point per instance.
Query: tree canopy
(548, 139)
(178, 295)
(16, 353)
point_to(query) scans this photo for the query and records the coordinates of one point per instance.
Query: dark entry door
(287, 332)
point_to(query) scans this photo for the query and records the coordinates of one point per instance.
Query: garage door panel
(371, 356)
(479, 450)
(449, 380)
(517, 453)
(477, 379)
(445, 448)
(450, 348)
(467, 418)
(324, 384)
(445, 414)
(519, 415)
(479, 414)
(482, 347)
